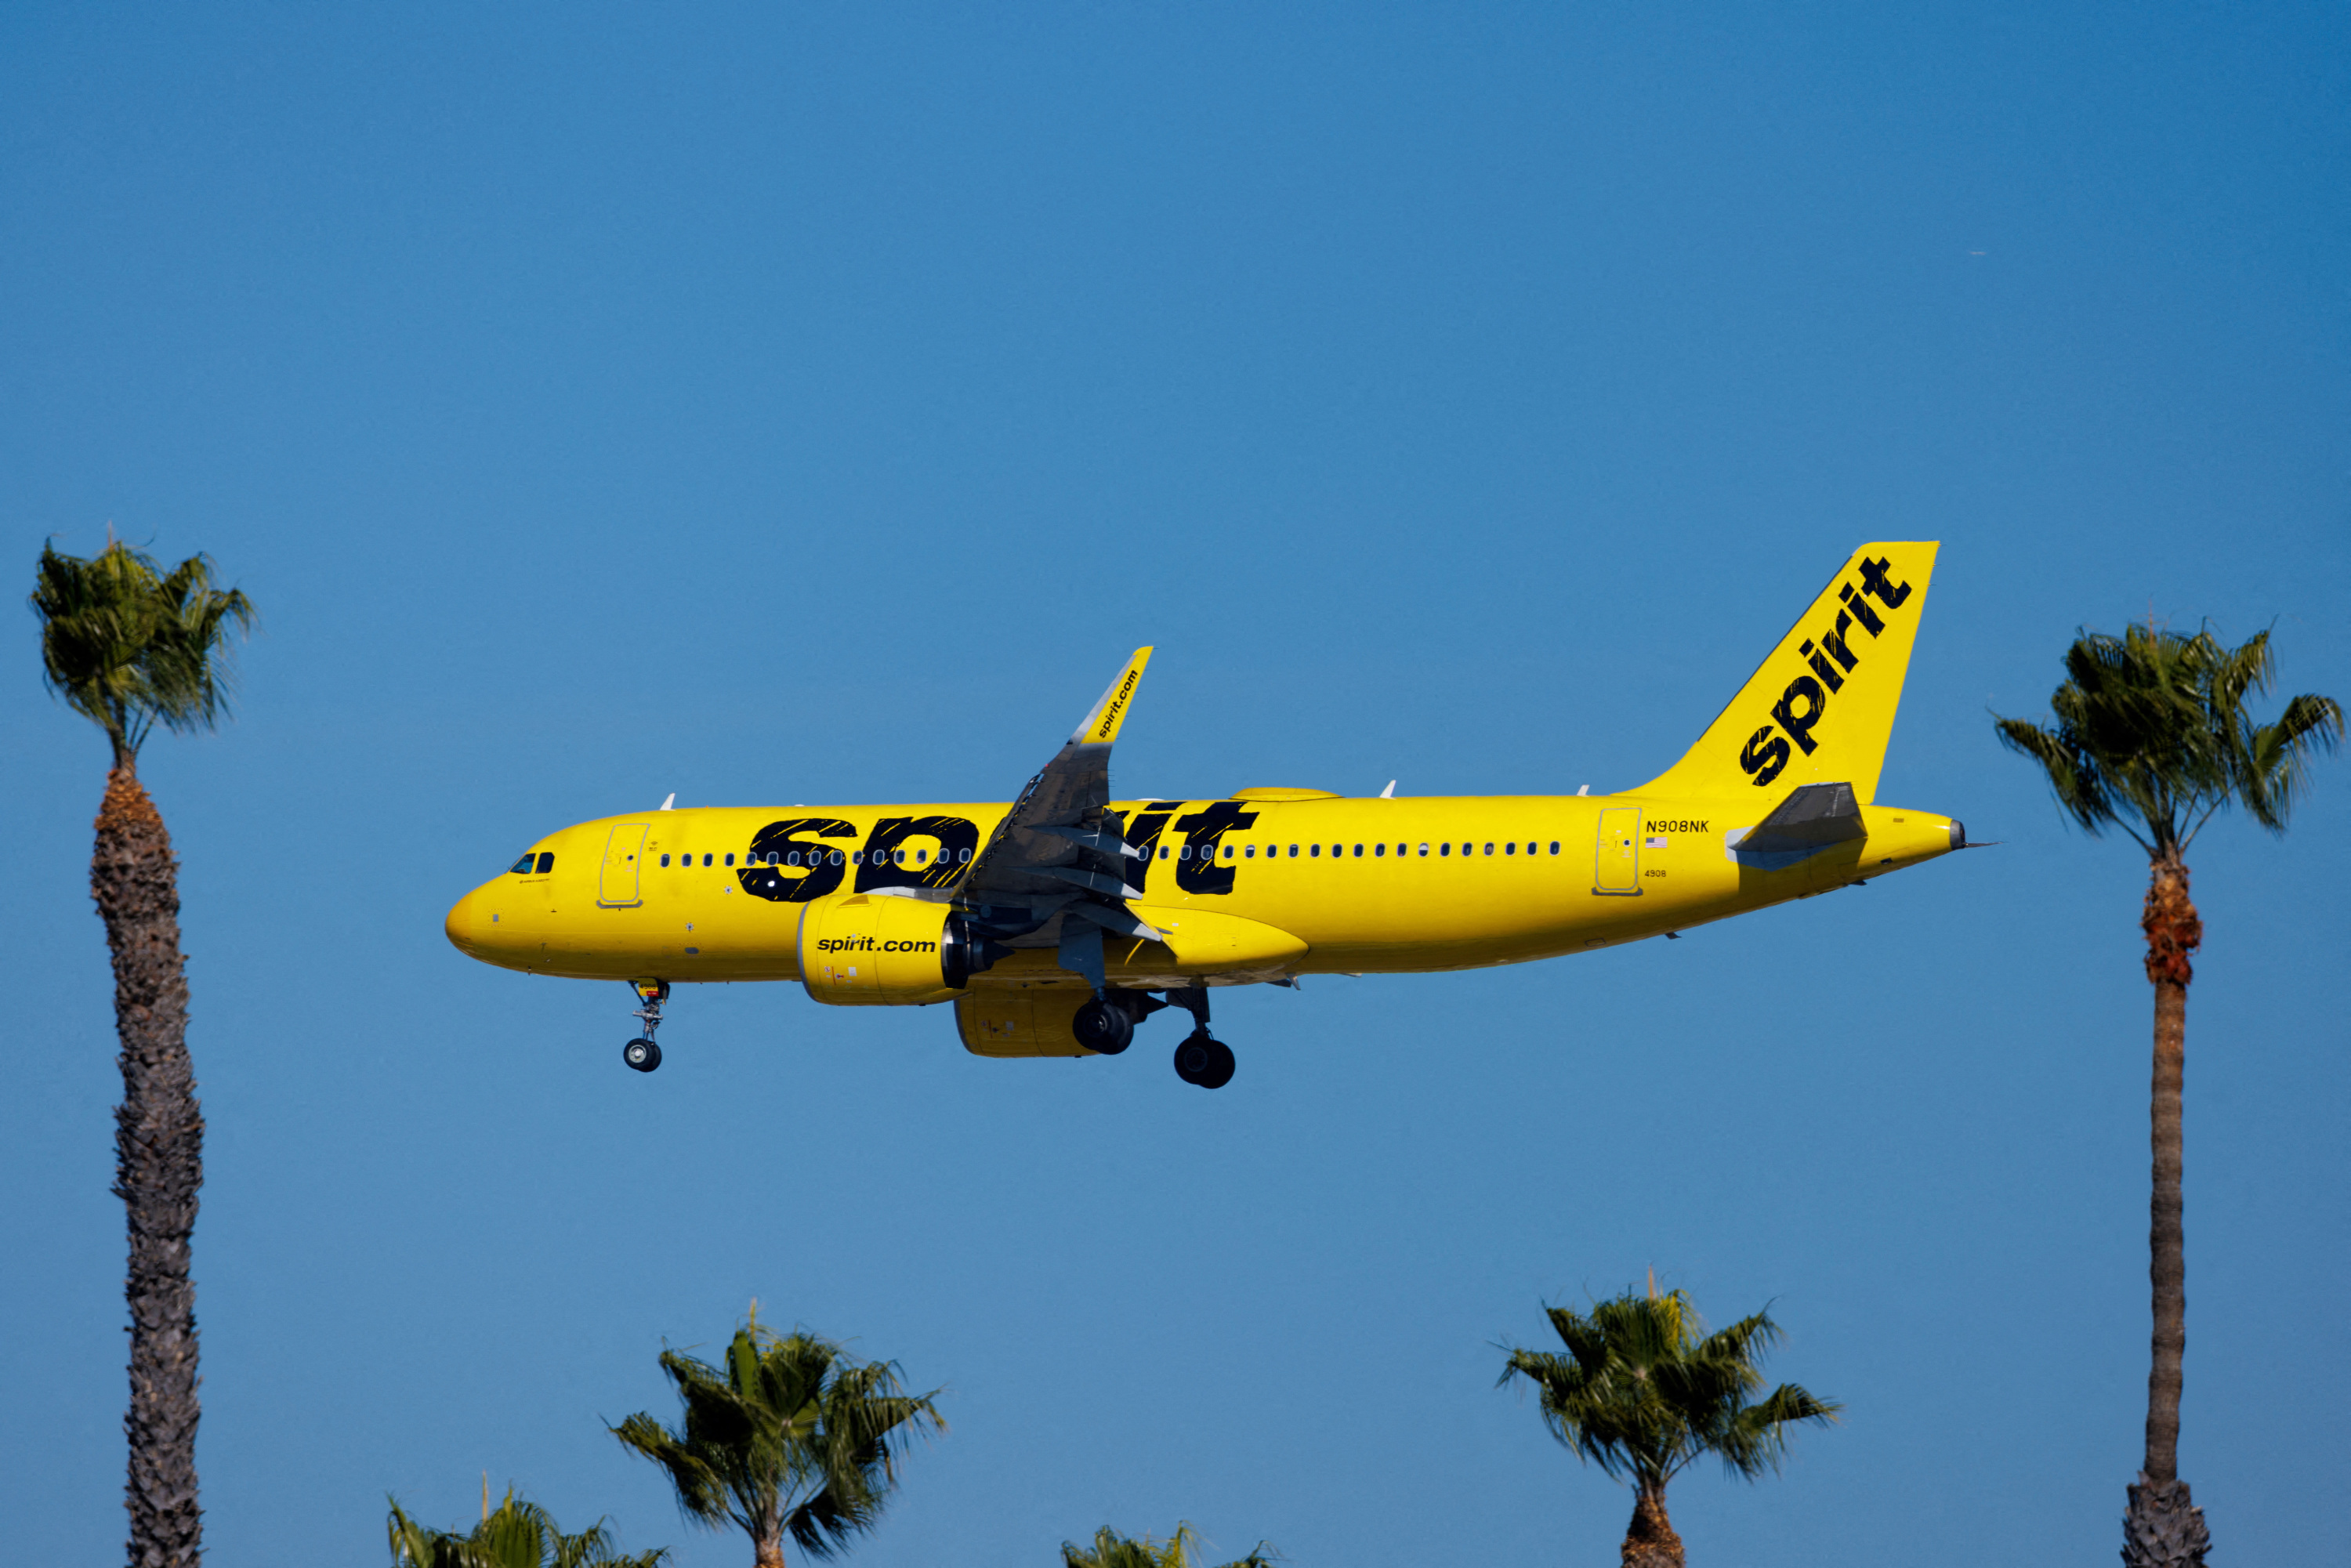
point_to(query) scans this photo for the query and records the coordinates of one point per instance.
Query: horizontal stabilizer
(1812, 817)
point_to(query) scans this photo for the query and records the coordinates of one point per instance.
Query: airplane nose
(460, 926)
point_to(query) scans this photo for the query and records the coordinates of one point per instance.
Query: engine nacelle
(863, 950)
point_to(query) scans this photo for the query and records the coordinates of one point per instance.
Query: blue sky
(814, 403)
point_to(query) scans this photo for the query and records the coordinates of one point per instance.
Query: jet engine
(863, 950)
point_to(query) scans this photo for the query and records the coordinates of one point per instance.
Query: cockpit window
(522, 866)
(546, 861)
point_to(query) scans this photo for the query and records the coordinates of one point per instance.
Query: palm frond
(518, 1533)
(1645, 1390)
(789, 1435)
(128, 645)
(1754, 1439)
(2275, 767)
(1111, 1550)
(2154, 724)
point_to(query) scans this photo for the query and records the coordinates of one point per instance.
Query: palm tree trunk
(2162, 1527)
(767, 1551)
(1650, 1541)
(158, 1163)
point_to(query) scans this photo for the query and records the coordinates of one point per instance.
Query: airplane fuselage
(1338, 884)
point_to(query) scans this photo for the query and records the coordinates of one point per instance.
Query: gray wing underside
(1053, 871)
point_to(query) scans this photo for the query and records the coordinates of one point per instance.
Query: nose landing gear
(641, 1054)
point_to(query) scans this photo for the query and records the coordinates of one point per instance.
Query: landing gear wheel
(1103, 1028)
(642, 1054)
(1204, 1061)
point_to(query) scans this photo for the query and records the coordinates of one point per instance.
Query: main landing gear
(641, 1054)
(1201, 1057)
(1105, 1026)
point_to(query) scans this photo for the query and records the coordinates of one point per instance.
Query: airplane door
(1616, 865)
(616, 887)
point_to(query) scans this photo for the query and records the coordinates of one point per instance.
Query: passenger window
(1490, 848)
(1163, 851)
(1379, 849)
(1249, 854)
(546, 861)
(1359, 852)
(1554, 846)
(730, 860)
(664, 860)
(522, 866)
(1293, 852)
(1314, 851)
(1423, 851)
(1446, 849)
(1229, 852)
(921, 856)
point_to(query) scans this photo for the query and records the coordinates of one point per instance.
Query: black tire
(1103, 1028)
(1220, 1071)
(642, 1054)
(1196, 1057)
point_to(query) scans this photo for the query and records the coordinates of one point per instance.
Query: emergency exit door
(624, 853)
(1616, 863)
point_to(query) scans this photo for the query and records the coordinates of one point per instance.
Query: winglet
(670, 804)
(1101, 725)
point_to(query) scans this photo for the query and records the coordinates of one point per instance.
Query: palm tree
(2152, 729)
(793, 1436)
(130, 646)
(1111, 1550)
(515, 1534)
(1644, 1391)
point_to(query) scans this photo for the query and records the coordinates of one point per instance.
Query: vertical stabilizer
(1822, 707)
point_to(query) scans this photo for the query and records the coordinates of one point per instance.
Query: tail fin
(1820, 708)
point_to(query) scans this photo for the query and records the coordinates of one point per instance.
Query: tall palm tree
(1644, 1392)
(2152, 730)
(130, 646)
(1111, 1550)
(515, 1534)
(792, 1437)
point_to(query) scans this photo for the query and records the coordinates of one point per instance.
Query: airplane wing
(1060, 853)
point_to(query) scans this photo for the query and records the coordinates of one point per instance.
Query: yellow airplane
(1057, 923)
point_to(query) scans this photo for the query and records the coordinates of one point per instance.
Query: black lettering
(1800, 726)
(1873, 580)
(1764, 761)
(1142, 837)
(1835, 643)
(1201, 873)
(822, 871)
(886, 864)
(1860, 607)
(1821, 666)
